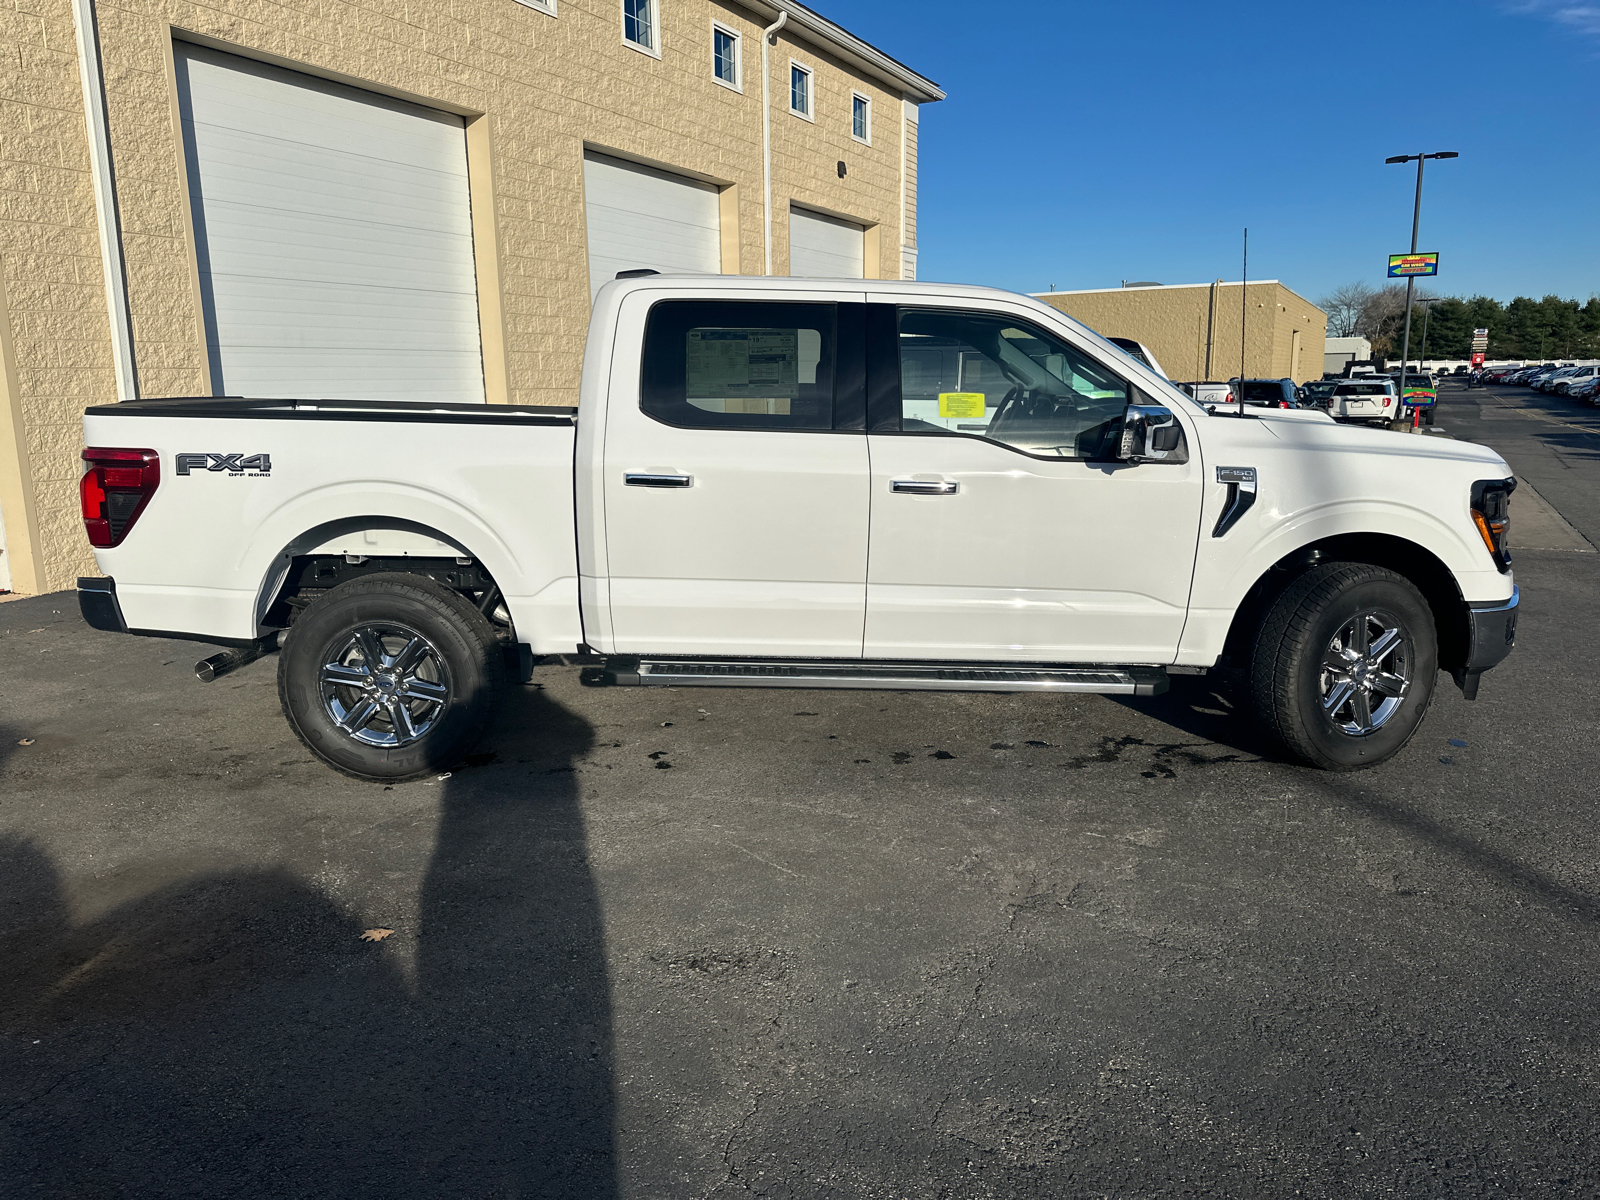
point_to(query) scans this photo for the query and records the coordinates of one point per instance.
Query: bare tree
(1344, 306)
(1383, 317)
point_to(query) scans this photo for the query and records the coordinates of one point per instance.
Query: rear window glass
(1268, 393)
(1362, 389)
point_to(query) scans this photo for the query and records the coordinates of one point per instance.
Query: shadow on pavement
(1208, 707)
(232, 1034)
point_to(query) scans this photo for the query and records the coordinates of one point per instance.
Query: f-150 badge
(233, 464)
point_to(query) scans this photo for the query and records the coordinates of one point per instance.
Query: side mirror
(1150, 433)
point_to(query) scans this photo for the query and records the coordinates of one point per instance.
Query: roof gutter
(852, 49)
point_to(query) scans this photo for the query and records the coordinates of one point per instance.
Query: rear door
(735, 477)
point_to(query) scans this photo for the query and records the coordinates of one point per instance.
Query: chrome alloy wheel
(385, 685)
(1366, 672)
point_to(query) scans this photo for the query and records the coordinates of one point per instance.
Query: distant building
(1338, 353)
(1193, 329)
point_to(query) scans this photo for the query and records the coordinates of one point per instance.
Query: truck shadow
(232, 1033)
(1208, 707)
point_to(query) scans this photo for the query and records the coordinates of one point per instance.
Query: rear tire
(390, 677)
(1344, 666)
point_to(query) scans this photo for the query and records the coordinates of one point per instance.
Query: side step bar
(894, 676)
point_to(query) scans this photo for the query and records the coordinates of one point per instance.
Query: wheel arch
(1424, 569)
(412, 547)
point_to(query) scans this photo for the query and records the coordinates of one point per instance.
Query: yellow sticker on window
(961, 404)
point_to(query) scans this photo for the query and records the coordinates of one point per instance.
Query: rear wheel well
(312, 575)
(1421, 566)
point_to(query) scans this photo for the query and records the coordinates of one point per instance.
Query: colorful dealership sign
(1402, 266)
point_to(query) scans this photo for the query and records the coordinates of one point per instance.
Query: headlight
(1491, 513)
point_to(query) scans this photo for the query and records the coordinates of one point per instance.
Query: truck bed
(247, 485)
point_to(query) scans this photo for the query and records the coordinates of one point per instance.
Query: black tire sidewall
(467, 653)
(1328, 746)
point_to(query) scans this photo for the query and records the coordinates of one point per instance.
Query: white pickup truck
(805, 484)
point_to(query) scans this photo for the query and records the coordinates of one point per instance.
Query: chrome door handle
(925, 487)
(646, 479)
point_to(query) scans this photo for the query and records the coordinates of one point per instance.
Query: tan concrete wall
(535, 90)
(59, 354)
(1174, 323)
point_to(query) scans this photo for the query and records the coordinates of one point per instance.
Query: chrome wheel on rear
(1366, 673)
(384, 685)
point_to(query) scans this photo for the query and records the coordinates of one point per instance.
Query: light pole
(1427, 311)
(1416, 220)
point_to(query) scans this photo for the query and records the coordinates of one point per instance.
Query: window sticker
(961, 404)
(743, 362)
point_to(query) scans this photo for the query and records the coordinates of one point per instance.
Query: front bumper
(1491, 633)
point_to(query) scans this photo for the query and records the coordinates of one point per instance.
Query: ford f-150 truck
(805, 484)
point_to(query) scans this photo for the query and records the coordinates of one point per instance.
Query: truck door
(735, 485)
(1001, 526)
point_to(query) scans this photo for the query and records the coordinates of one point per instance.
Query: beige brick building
(149, 207)
(1193, 329)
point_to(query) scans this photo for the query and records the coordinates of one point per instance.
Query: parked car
(1573, 377)
(1267, 393)
(1139, 352)
(1318, 392)
(1589, 390)
(652, 532)
(1365, 400)
(1209, 394)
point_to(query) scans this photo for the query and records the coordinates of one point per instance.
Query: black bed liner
(244, 408)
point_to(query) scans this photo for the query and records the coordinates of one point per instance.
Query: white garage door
(824, 247)
(639, 217)
(334, 235)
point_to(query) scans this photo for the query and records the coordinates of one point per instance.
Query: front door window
(1011, 382)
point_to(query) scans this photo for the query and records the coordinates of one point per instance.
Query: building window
(860, 118)
(725, 57)
(639, 25)
(544, 6)
(800, 90)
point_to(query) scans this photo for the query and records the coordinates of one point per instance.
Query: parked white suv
(1572, 379)
(805, 483)
(1374, 398)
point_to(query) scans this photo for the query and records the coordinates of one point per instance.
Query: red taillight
(115, 490)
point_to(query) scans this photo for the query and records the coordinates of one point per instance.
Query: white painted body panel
(765, 554)
(768, 553)
(205, 554)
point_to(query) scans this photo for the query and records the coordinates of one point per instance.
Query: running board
(894, 676)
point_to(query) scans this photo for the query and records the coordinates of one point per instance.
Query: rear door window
(718, 364)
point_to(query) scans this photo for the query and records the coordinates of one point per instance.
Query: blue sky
(1088, 143)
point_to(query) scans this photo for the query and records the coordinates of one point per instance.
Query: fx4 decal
(234, 464)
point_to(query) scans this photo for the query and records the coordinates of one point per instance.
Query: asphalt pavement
(703, 943)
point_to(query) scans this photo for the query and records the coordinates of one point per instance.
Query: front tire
(1344, 666)
(390, 677)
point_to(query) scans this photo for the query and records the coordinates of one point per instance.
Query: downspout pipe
(92, 79)
(768, 36)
